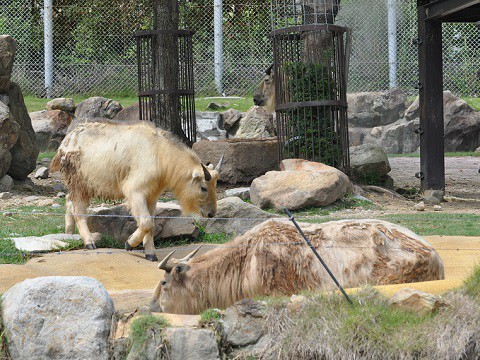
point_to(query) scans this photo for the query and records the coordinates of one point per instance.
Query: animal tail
(55, 164)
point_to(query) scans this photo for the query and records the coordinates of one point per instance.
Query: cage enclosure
(310, 71)
(165, 78)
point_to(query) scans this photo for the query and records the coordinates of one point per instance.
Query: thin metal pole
(318, 255)
(392, 43)
(218, 46)
(48, 45)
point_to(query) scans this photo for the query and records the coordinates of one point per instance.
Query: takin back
(137, 162)
(273, 259)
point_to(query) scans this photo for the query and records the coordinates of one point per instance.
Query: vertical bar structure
(432, 150)
(48, 41)
(152, 91)
(392, 43)
(218, 44)
(310, 94)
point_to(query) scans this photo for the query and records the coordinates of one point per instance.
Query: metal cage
(310, 69)
(155, 99)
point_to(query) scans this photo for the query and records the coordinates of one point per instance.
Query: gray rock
(8, 48)
(41, 173)
(419, 207)
(191, 344)
(297, 190)
(97, 107)
(50, 127)
(209, 125)
(63, 104)
(400, 137)
(370, 109)
(58, 317)
(367, 161)
(244, 323)
(25, 185)
(234, 216)
(230, 120)
(5, 195)
(9, 132)
(44, 243)
(242, 193)
(58, 186)
(257, 123)
(25, 151)
(245, 159)
(118, 223)
(129, 113)
(6, 183)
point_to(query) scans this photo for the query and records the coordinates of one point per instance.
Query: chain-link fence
(94, 47)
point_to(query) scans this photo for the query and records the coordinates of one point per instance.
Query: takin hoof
(151, 257)
(90, 247)
(127, 246)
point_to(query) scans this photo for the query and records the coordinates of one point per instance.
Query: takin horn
(164, 263)
(269, 70)
(189, 256)
(219, 165)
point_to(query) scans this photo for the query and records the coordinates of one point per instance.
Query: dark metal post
(432, 151)
(318, 255)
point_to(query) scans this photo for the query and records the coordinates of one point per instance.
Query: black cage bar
(154, 97)
(310, 93)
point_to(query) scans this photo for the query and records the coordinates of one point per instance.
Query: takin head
(173, 289)
(201, 196)
(265, 93)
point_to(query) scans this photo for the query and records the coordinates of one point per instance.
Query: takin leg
(69, 218)
(80, 209)
(141, 211)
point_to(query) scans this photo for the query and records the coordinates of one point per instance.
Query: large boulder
(370, 109)
(58, 318)
(209, 125)
(63, 104)
(244, 160)
(129, 113)
(191, 344)
(25, 151)
(234, 216)
(117, 222)
(400, 137)
(8, 47)
(368, 162)
(9, 131)
(50, 127)
(97, 107)
(257, 123)
(297, 190)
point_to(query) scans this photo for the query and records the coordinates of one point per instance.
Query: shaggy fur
(135, 161)
(265, 93)
(358, 252)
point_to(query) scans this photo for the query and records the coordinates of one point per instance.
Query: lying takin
(272, 259)
(264, 95)
(135, 161)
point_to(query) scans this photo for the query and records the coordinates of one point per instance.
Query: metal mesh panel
(94, 47)
(155, 98)
(310, 93)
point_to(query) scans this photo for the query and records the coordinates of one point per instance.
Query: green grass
(326, 326)
(472, 284)
(474, 102)
(46, 155)
(243, 104)
(209, 316)
(144, 327)
(36, 104)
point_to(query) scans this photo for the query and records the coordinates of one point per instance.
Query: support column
(48, 44)
(431, 131)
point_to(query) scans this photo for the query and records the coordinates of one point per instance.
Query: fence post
(392, 43)
(218, 39)
(48, 44)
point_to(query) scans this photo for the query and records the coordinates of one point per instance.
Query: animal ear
(181, 269)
